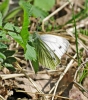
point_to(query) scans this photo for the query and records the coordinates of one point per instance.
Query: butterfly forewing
(57, 44)
(46, 56)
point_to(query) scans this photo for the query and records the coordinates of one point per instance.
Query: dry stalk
(1, 98)
(36, 87)
(52, 14)
(49, 72)
(61, 76)
(50, 95)
(76, 76)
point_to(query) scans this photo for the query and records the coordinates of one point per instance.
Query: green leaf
(35, 65)
(3, 36)
(10, 60)
(10, 67)
(45, 5)
(38, 13)
(17, 38)
(12, 13)
(30, 53)
(15, 34)
(24, 32)
(2, 45)
(2, 56)
(11, 27)
(4, 7)
(0, 19)
(35, 11)
(1, 61)
(9, 53)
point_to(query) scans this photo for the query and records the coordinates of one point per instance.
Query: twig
(71, 57)
(76, 76)
(79, 69)
(28, 78)
(45, 94)
(49, 72)
(36, 87)
(1, 98)
(31, 66)
(80, 86)
(56, 11)
(61, 76)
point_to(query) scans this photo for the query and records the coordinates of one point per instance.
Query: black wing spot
(60, 47)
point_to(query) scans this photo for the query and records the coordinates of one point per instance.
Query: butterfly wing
(49, 49)
(57, 44)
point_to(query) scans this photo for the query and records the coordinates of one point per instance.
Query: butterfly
(49, 48)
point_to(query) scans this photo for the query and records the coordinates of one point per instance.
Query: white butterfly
(49, 48)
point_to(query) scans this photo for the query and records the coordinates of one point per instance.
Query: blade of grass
(76, 35)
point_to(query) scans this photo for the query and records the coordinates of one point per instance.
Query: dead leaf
(76, 94)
